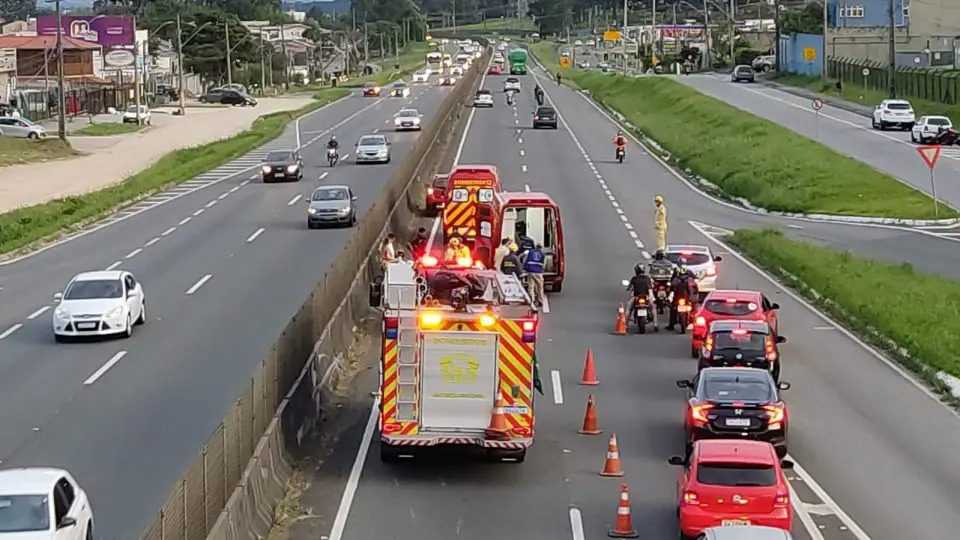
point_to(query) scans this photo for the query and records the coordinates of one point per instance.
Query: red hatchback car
(729, 305)
(731, 482)
(437, 194)
(495, 70)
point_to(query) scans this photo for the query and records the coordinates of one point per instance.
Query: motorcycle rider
(642, 285)
(661, 269)
(538, 93)
(332, 144)
(620, 141)
(683, 284)
(509, 97)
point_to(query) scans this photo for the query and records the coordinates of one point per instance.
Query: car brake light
(682, 302)
(711, 271)
(739, 332)
(731, 300)
(770, 351)
(782, 500)
(775, 415)
(429, 191)
(701, 321)
(709, 344)
(698, 413)
(691, 498)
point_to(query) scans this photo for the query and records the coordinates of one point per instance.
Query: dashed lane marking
(9, 331)
(38, 313)
(294, 200)
(104, 368)
(256, 234)
(113, 266)
(134, 253)
(196, 286)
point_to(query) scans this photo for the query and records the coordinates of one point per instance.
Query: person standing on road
(511, 262)
(660, 223)
(502, 251)
(533, 266)
(418, 246)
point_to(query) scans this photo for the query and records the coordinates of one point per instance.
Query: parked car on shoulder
(894, 113)
(928, 127)
(742, 73)
(764, 63)
(130, 116)
(21, 128)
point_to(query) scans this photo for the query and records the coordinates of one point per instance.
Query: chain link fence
(937, 85)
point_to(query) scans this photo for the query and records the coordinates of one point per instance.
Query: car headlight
(345, 210)
(114, 313)
(61, 314)
(266, 168)
(382, 152)
(311, 211)
(292, 168)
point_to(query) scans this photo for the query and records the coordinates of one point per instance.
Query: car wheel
(913, 137)
(89, 535)
(128, 331)
(60, 339)
(694, 352)
(33, 135)
(883, 127)
(311, 225)
(143, 314)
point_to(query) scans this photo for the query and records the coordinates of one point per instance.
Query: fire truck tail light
(428, 260)
(391, 428)
(429, 191)
(430, 319)
(529, 326)
(521, 431)
(465, 262)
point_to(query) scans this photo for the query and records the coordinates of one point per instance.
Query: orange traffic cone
(620, 328)
(590, 419)
(624, 525)
(611, 466)
(589, 371)
(498, 423)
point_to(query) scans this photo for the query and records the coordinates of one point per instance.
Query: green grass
(857, 93)
(502, 24)
(19, 151)
(749, 157)
(23, 226)
(411, 59)
(101, 130)
(918, 311)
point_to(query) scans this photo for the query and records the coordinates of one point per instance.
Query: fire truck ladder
(407, 385)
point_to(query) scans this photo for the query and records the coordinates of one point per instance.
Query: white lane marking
(633, 234)
(152, 242)
(294, 200)
(576, 524)
(628, 226)
(210, 204)
(523, 168)
(324, 175)
(615, 204)
(521, 153)
(516, 120)
(824, 327)
(184, 221)
(353, 481)
(638, 243)
(168, 231)
(254, 177)
(623, 218)
(619, 211)
(557, 387)
(546, 305)
(114, 265)
(10, 330)
(345, 156)
(104, 368)
(646, 255)
(199, 284)
(254, 236)
(526, 187)
(223, 196)
(520, 140)
(198, 212)
(828, 500)
(37, 313)
(234, 189)
(133, 253)
(245, 182)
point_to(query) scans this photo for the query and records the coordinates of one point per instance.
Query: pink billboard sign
(106, 30)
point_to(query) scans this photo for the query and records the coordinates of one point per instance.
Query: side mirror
(353, 198)
(786, 464)
(676, 460)
(625, 283)
(376, 294)
(58, 297)
(683, 383)
(781, 339)
(67, 521)
(783, 385)
(775, 306)
(717, 258)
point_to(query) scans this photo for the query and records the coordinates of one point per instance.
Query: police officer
(641, 285)
(533, 266)
(660, 222)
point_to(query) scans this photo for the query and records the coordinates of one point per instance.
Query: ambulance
(470, 193)
(458, 360)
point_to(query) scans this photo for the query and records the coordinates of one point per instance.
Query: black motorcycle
(661, 294)
(946, 137)
(540, 99)
(682, 309)
(621, 153)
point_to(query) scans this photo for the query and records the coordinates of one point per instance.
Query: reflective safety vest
(534, 262)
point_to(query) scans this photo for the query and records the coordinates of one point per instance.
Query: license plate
(86, 326)
(738, 422)
(683, 309)
(642, 312)
(661, 294)
(734, 522)
(279, 174)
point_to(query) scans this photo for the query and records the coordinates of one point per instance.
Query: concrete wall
(796, 51)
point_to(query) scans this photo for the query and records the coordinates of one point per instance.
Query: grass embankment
(749, 157)
(412, 58)
(857, 93)
(918, 311)
(19, 151)
(103, 130)
(21, 227)
(501, 24)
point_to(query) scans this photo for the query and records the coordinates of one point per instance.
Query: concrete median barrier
(232, 488)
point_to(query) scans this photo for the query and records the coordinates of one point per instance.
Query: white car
(43, 504)
(421, 76)
(700, 261)
(483, 99)
(927, 127)
(512, 83)
(457, 70)
(502, 47)
(894, 112)
(130, 116)
(578, 43)
(407, 119)
(99, 304)
(400, 89)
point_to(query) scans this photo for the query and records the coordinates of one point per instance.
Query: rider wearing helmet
(661, 268)
(683, 284)
(332, 143)
(538, 94)
(620, 141)
(641, 285)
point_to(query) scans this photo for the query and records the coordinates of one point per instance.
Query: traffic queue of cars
(731, 473)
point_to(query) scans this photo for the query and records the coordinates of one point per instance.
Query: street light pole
(733, 35)
(226, 31)
(623, 38)
(706, 33)
(892, 76)
(62, 104)
(136, 71)
(180, 62)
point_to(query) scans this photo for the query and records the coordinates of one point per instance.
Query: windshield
(372, 141)
(736, 474)
(938, 121)
(748, 341)
(94, 288)
(408, 113)
(898, 106)
(22, 513)
(440, 181)
(279, 156)
(545, 111)
(740, 387)
(133, 109)
(513, 80)
(330, 195)
(693, 259)
(736, 309)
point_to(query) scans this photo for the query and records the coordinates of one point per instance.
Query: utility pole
(706, 34)
(180, 63)
(62, 102)
(826, 26)
(454, 17)
(653, 30)
(137, 59)
(892, 76)
(396, 46)
(226, 31)
(776, 27)
(381, 51)
(623, 38)
(366, 45)
(733, 32)
(263, 67)
(286, 63)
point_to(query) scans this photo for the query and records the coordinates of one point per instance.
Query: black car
(545, 117)
(742, 73)
(226, 96)
(742, 343)
(282, 165)
(736, 403)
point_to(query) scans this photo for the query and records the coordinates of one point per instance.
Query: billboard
(112, 31)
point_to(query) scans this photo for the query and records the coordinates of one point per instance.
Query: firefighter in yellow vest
(455, 250)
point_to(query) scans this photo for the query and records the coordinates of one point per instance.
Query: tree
(17, 10)
(806, 20)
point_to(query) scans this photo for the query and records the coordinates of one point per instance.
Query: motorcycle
(683, 309)
(510, 98)
(539, 99)
(661, 293)
(332, 156)
(621, 153)
(946, 137)
(641, 311)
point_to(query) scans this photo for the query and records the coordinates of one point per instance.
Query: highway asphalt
(127, 429)
(876, 453)
(846, 132)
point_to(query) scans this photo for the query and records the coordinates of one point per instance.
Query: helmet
(682, 263)
(659, 255)
(333, 137)
(658, 199)
(514, 247)
(619, 133)
(682, 269)
(454, 241)
(638, 269)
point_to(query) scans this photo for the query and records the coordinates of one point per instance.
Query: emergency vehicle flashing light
(487, 321)
(430, 319)
(465, 261)
(391, 326)
(428, 260)
(739, 332)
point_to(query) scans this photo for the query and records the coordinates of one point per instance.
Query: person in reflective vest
(533, 265)
(511, 262)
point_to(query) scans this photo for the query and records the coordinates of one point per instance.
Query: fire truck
(457, 365)
(469, 194)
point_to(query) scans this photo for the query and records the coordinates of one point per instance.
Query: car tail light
(429, 191)
(711, 271)
(536, 117)
(701, 321)
(709, 345)
(691, 498)
(775, 416)
(770, 350)
(782, 500)
(698, 413)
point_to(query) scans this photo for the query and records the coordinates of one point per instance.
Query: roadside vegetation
(503, 23)
(23, 226)
(107, 129)
(410, 60)
(870, 295)
(746, 156)
(19, 151)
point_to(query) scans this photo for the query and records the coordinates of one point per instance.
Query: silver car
(372, 149)
(700, 261)
(744, 532)
(331, 205)
(21, 128)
